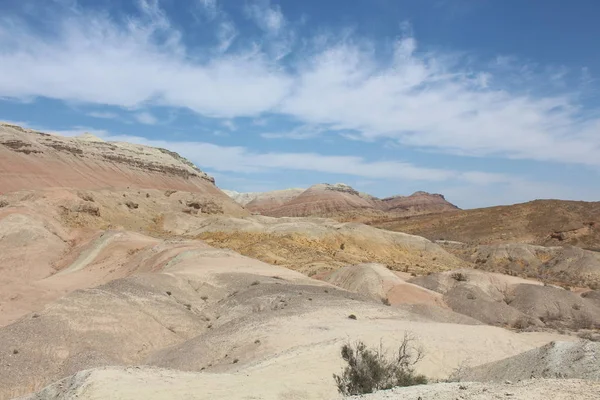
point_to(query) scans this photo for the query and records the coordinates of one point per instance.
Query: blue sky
(486, 101)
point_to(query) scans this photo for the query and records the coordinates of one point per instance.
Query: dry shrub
(88, 208)
(3, 203)
(459, 277)
(131, 205)
(369, 370)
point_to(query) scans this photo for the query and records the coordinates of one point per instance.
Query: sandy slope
(202, 309)
(543, 389)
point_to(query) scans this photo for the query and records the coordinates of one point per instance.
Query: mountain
(339, 200)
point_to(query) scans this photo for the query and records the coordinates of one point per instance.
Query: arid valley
(126, 273)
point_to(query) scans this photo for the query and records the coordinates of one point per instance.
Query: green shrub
(369, 370)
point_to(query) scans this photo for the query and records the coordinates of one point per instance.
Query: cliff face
(35, 160)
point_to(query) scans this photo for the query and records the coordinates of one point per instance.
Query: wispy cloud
(239, 159)
(146, 118)
(229, 124)
(419, 99)
(302, 132)
(103, 115)
(268, 17)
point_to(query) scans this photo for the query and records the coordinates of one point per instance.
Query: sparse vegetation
(255, 283)
(131, 205)
(369, 370)
(386, 301)
(352, 316)
(459, 277)
(3, 203)
(90, 209)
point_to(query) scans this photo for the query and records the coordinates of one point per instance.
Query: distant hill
(541, 222)
(340, 200)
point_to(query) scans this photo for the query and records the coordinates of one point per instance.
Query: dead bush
(88, 208)
(459, 277)
(369, 370)
(131, 205)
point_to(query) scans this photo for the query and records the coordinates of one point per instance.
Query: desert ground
(126, 273)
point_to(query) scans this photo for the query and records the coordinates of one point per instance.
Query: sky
(486, 101)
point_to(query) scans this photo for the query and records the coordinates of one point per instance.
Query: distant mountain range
(335, 200)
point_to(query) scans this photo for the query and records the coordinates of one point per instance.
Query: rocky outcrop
(35, 160)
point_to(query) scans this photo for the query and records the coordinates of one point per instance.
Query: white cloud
(103, 115)
(209, 6)
(146, 118)
(229, 124)
(226, 34)
(91, 59)
(236, 159)
(417, 101)
(412, 98)
(269, 18)
(302, 132)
